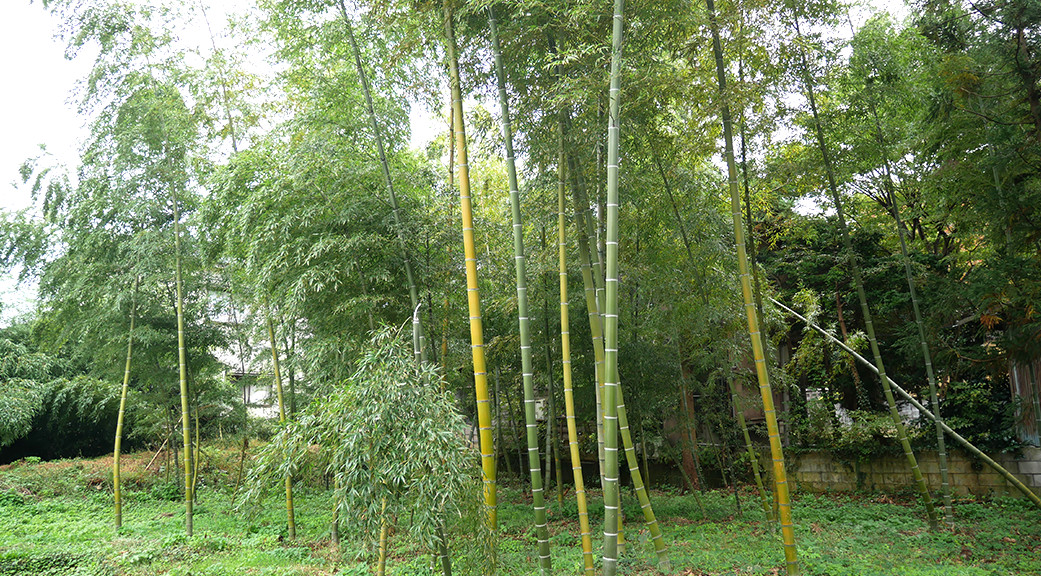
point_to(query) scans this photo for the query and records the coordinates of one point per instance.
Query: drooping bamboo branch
(473, 297)
(565, 351)
(758, 353)
(914, 402)
(869, 327)
(538, 498)
(281, 418)
(117, 493)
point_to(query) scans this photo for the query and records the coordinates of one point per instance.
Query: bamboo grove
(749, 193)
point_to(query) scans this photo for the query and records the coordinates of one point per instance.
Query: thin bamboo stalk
(413, 291)
(282, 418)
(869, 327)
(780, 476)
(538, 498)
(565, 352)
(752, 456)
(473, 295)
(596, 330)
(182, 368)
(928, 413)
(117, 493)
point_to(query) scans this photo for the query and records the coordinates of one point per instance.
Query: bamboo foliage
(869, 327)
(116, 492)
(473, 297)
(758, 353)
(538, 498)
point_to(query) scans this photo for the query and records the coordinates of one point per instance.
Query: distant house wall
(1023, 387)
(821, 472)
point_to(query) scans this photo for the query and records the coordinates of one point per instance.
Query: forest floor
(56, 519)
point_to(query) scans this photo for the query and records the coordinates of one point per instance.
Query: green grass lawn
(56, 519)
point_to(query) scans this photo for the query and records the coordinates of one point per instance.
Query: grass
(55, 519)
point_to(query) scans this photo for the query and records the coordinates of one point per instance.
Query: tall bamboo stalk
(281, 418)
(928, 414)
(484, 414)
(117, 493)
(182, 368)
(538, 499)
(596, 330)
(869, 327)
(780, 475)
(611, 380)
(565, 352)
(413, 291)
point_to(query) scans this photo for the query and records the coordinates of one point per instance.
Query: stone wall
(820, 472)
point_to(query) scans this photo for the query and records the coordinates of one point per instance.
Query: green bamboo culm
(116, 492)
(854, 264)
(281, 418)
(783, 500)
(565, 352)
(584, 227)
(413, 290)
(484, 415)
(182, 367)
(928, 414)
(611, 493)
(927, 356)
(537, 496)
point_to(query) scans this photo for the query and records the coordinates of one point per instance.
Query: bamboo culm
(858, 280)
(565, 351)
(473, 296)
(538, 497)
(117, 493)
(783, 499)
(282, 418)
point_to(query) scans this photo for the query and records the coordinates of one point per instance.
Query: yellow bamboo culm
(484, 412)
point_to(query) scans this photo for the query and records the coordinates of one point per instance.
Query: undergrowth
(55, 519)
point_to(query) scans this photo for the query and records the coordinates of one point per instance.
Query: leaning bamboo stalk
(413, 291)
(473, 296)
(780, 475)
(117, 493)
(914, 402)
(565, 352)
(538, 498)
(869, 326)
(282, 418)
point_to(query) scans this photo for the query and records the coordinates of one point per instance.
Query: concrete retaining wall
(820, 472)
